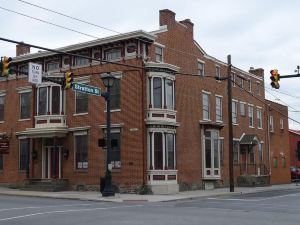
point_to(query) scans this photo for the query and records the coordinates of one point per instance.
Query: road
(273, 207)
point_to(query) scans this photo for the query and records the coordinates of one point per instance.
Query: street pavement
(277, 205)
(96, 196)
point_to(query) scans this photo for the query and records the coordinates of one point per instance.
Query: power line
(284, 93)
(47, 22)
(276, 97)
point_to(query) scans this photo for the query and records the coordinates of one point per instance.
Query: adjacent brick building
(294, 136)
(169, 116)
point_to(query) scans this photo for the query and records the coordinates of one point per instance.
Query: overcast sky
(257, 33)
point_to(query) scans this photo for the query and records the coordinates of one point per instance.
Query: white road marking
(66, 211)
(41, 207)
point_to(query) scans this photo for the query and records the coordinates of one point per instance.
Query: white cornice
(100, 41)
(162, 66)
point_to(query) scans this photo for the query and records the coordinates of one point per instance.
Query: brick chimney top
(22, 49)
(258, 72)
(166, 17)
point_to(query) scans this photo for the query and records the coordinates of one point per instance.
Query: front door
(52, 160)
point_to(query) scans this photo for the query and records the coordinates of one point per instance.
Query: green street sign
(91, 90)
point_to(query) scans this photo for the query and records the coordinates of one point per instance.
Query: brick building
(169, 116)
(294, 136)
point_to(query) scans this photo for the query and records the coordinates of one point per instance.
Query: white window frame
(200, 62)
(243, 105)
(211, 170)
(271, 124)
(251, 115)
(281, 124)
(259, 117)
(234, 112)
(161, 47)
(218, 72)
(233, 79)
(75, 134)
(219, 110)
(52, 63)
(204, 93)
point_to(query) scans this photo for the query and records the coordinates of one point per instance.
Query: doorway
(52, 162)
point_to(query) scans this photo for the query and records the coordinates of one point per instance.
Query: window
(200, 68)
(82, 102)
(52, 66)
(250, 114)
(218, 71)
(169, 94)
(115, 95)
(234, 112)
(236, 146)
(242, 82)
(23, 154)
(271, 124)
(158, 54)
(250, 85)
(206, 108)
(170, 151)
(212, 154)
(259, 118)
(163, 146)
(79, 61)
(219, 109)
(233, 79)
(281, 124)
(23, 69)
(158, 151)
(131, 49)
(49, 100)
(25, 105)
(221, 146)
(1, 162)
(258, 88)
(242, 109)
(116, 149)
(81, 151)
(42, 104)
(157, 92)
(2, 101)
(113, 54)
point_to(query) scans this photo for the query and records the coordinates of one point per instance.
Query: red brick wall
(294, 138)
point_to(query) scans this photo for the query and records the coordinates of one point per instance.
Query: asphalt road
(273, 207)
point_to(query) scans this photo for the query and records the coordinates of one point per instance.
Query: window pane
(25, 105)
(158, 54)
(81, 146)
(42, 108)
(115, 95)
(208, 153)
(23, 157)
(170, 150)
(169, 94)
(2, 98)
(158, 151)
(200, 68)
(234, 112)
(81, 102)
(218, 109)
(79, 61)
(55, 100)
(205, 99)
(236, 152)
(157, 92)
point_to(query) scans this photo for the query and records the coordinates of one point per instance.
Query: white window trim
(203, 62)
(236, 108)
(281, 124)
(233, 81)
(209, 106)
(162, 52)
(271, 124)
(261, 118)
(252, 106)
(243, 103)
(221, 107)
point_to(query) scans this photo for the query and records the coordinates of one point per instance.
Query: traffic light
(68, 80)
(275, 77)
(6, 66)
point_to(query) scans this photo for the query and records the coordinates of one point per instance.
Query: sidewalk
(96, 196)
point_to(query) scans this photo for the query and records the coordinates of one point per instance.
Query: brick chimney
(258, 72)
(166, 17)
(190, 26)
(22, 49)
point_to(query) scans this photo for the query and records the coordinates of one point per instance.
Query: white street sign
(35, 73)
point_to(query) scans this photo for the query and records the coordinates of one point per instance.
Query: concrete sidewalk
(96, 196)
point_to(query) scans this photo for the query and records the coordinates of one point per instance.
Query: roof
(249, 139)
(297, 132)
(140, 34)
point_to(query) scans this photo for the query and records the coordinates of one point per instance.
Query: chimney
(190, 26)
(22, 49)
(166, 17)
(258, 72)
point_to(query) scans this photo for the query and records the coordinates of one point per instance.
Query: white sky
(257, 33)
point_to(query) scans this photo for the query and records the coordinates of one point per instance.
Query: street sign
(34, 73)
(4, 146)
(86, 89)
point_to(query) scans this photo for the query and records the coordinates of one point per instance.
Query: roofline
(292, 131)
(99, 41)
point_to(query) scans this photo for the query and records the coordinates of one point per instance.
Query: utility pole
(230, 133)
